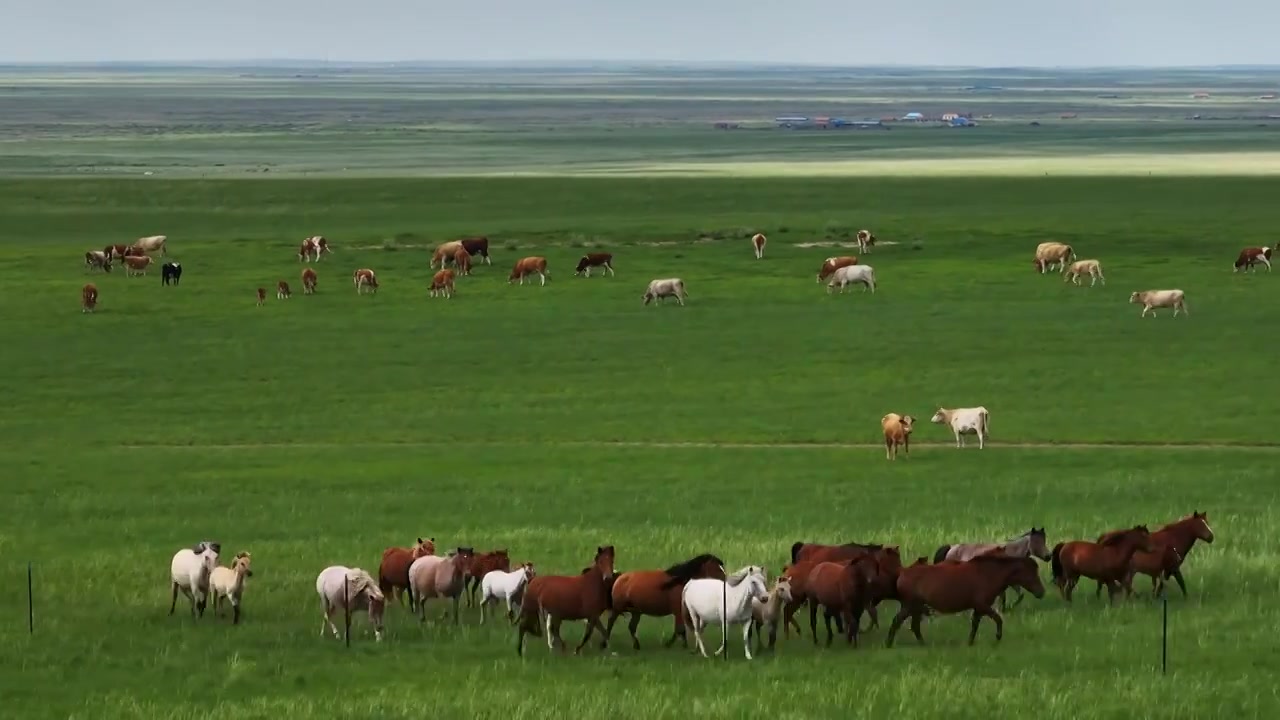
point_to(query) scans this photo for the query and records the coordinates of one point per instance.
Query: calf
(529, 266)
(1049, 254)
(99, 259)
(462, 259)
(832, 264)
(442, 282)
(136, 264)
(364, 278)
(865, 241)
(863, 275)
(897, 431)
(170, 271)
(262, 295)
(88, 298)
(477, 246)
(1250, 256)
(1080, 267)
(757, 241)
(590, 260)
(665, 288)
(1151, 299)
(308, 281)
(444, 253)
(282, 290)
(965, 421)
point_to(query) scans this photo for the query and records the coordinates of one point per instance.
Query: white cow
(965, 421)
(863, 275)
(1080, 267)
(1151, 299)
(1051, 253)
(664, 288)
(189, 572)
(151, 244)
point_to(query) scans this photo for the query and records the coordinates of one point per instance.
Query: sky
(829, 32)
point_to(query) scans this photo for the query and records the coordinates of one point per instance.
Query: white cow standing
(664, 288)
(965, 421)
(863, 275)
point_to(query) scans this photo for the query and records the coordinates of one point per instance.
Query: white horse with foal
(508, 586)
(725, 601)
(189, 572)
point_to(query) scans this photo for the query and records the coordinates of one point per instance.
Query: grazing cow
(1049, 254)
(590, 260)
(262, 295)
(965, 421)
(150, 244)
(115, 252)
(865, 241)
(664, 288)
(170, 271)
(312, 248)
(863, 275)
(1151, 299)
(444, 253)
(308, 281)
(1080, 267)
(136, 264)
(529, 266)
(1250, 256)
(364, 278)
(477, 246)
(897, 431)
(757, 241)
(282, 290)
(832, 264)
(98, 259)
(442, 282)
(462, 260)
(88, 297)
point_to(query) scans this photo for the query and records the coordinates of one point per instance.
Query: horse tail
(795, 551)
(941, 554)
(1055, 561)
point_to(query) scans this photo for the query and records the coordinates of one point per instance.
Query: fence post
(724, 616)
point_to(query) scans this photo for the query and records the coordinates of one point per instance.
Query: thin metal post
(1164, 631)
(346, 607)
(31, 610)
(724, 616)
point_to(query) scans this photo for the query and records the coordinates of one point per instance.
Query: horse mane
(685, 571)
(1116, 536)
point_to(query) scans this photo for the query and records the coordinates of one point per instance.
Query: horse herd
(843, 581)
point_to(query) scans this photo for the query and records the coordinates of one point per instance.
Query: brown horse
(551, 599)
(393, 573)
(841, 588)
(1170, 545)
(482, 564)
(657, 593)
(1107, 562)
(952, 587)
(810, 554)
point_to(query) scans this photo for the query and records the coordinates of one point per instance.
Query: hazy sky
(843, 32)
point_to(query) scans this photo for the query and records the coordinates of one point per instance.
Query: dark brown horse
(843, 590)
(1169, 547)
(1107, 561)
(952, 587)
(551, 599)
(888, 560)
(481, 565)
(393, 572)
(657, 593)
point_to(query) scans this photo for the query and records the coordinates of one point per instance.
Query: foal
(1170, 545)
(1106, 561)
(768, 610)
(551, 599)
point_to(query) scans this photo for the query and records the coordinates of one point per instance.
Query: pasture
(322, 429)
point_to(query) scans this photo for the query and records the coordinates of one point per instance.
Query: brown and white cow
(88, 298)
(897, 431)
(1050, 253)
(832, 264)
(262, 295)
(1151, 299)
(1080, 267)
(115, 252)
(529, 266)
(757, 242)
(98, 259)
(150, 244)
(442, 283)
(364, 278)
(664, 288)
(312, 248)
(477, 246)
(444, 253)
(136, 264)
(282, 291)
(865, 240)
(462, 260)
(1250, 256)
(308, 281)
(590, 260)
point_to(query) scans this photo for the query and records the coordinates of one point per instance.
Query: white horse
(338, 584)
(508, 586)
(189, 572)
(729, 602)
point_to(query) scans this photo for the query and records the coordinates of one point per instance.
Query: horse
(952, 587)
(728, 601)
(808, 555)
(228, 583)
(843, 588)
(767, 611)
(551, 599)
(481, 565)
(434, 576)
(189, 572)
(342, 587)
(1170, 545)
(393, 571)
(508, 586)
(1030, 543)
(657, 593)
(1106, 562)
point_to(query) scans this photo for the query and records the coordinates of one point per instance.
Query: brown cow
(308, 281)
(832, 264)
(136, 264)
(757, 243)
(88, 298)
(1250, 256)
(478, 246)
(865, 241)
(529, 266)
(462, 259)
(442, 282)
(115, 252)
(897, 431)
(312, 248)
(282, 290)
(364, 278)
(444, 253)
(590, 260)
(262, 295)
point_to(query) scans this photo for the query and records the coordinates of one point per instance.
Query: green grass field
(322, 429)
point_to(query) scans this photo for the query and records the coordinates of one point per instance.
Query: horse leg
(915, 625)
(746, 638)
(789, 618)
(1021, 596)
(875, 619)
(999, 621)
(852, 636)
(173, 603)
(456, 601)
(608, 628)
(1176, 574)
(697, 626)
(813, 621)
(592, 624)
(826, 620)
(677, 632)
(632, 627)
(973, 625)
(553, 631)
(898, 619)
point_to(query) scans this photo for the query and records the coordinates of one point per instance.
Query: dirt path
(709, 445)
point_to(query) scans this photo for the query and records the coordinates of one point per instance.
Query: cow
(865, 241)
(1080, 267)
(150, 244)
(529, 266)
(308, 281)
(665, 288)
(1050, 253)
(364, 278)
(115, 252)
(136, 264)
(444, 253)
(100, 259)
(897, 431)
(477, 246)
(462, 260)
(864, 275)
(282, 290)
(757, 241)
(442, 282)
(1250, 256)
(965, 421)
(262, 295)
(312, 248)
(88, 298)
(132, 251)
(832, 264)
(170, 271)
(590, 260)
(1151, 299)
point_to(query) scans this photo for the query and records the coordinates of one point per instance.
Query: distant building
(913, 117)
(948, 117)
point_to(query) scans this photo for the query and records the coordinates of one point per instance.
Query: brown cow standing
(897, 431)
(591, 260)
(136, 264)
(442, 283)
(477, 246)
(757, 243)
(462, 259)
(88, 298)
(262, 295)
(364, 278)
(832, 264)
(282, 290)
(1250, 256)
(529, 266)
(308, 281)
